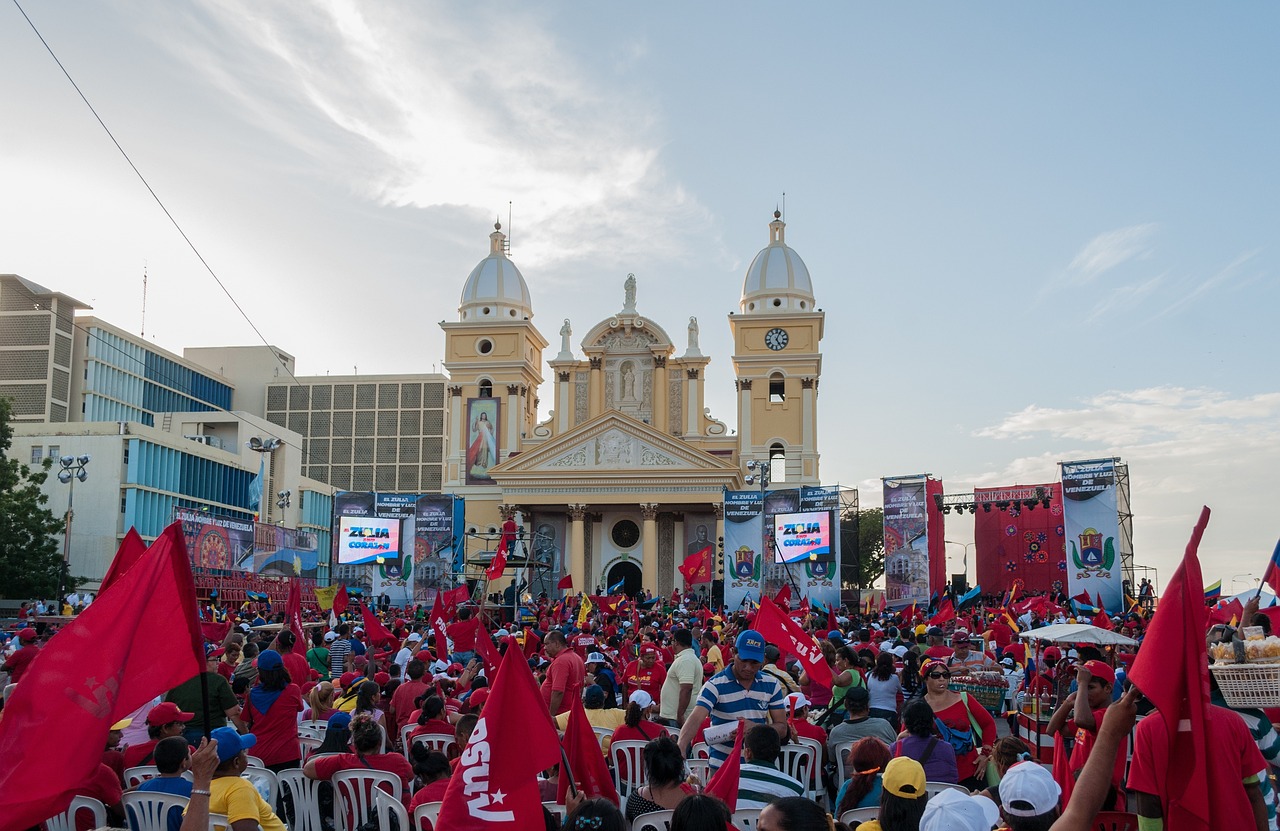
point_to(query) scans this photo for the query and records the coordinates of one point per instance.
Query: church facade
(626, 475)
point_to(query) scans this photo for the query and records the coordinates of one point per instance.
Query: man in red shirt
(402, 700)
(1079, 717)
(565, 675)
(20, 660)
(937, 649)
(166, 719)
(645, 673)
(463, 635)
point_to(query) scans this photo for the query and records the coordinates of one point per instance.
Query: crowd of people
(893, 732)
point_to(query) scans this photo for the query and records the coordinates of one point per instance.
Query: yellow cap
(904, 777)
(122, 723)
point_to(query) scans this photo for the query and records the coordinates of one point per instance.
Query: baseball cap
(904, 777)
(960, 636)
(750, 646)
(478, 698)
(798, 700)
(438, 666)
(330, 637)
(935, 631)
(640, 697)
(1101, 671)
(1007, 662)
(340, 719)
(26, 635)
(414, 637)
(347, 679)
(230, 743)
(357, 631)
(595, 658)
(648, 649)
(952, 809)
(382, 678)
(269, 659)
(835, 635)
(858, 697)
(593, 697)
(1028, 790)
(166, 712)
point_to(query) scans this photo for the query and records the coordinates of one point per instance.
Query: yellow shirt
(239, 799)
(871, 825)
(611, 718)
(715, 657)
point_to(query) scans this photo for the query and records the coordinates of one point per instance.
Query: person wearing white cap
(953, 810)
(1029, 795)
(406, 652)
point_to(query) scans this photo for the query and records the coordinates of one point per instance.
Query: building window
(124, 501)
(486, 389)
(777, 388)
(55, 451)
(37, 455)
(625, 534)
(777, 463)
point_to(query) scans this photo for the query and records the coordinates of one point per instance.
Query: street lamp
(762, 476)
(966, 546)
(282, 502)
(266, 447)
(72, 470)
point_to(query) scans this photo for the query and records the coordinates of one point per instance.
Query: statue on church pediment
(629, 294)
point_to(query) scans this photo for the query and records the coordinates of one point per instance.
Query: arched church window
(486, 389)
(777, 462)
(777, 388)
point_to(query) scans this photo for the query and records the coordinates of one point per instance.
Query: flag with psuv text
(776, 628)
(138, 640)
(495, 785)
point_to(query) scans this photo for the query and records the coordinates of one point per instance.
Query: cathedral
(628, 472)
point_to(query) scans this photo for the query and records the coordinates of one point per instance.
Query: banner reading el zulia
(401, 545)
(907, 543)
(755, 556)
(1092, 529)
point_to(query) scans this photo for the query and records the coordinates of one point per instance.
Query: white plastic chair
(653, 821)
(440, 743)
(557, 809)
(66, 821)
(427, 810)
(149, 810)
(352, 794)
(701, 750)
(632, 751)
(854, 816)
(304, 793)
(135, 776)
(219, 822)
(700, 768)
(746, 819)
(404, 737)
(314, 724)
(801, 762)
(386, 806)
(841, 753)
(310, 732)
(935, 788)
(603, 734)
(254, 762)
(266, 783)
(307, 746)
(817, 792)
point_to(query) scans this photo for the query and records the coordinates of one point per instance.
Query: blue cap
(750, 646)
(269, 659)
(230, 743)
(340, 719)
(834, 634)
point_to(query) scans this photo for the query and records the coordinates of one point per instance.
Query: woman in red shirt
(636, 724)
(366, 738)
(431, 719)
(960, 714)
(271, 713)
(433, 771)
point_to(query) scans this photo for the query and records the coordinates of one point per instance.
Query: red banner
(1019, 542)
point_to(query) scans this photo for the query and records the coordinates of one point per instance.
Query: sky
(1038, 233)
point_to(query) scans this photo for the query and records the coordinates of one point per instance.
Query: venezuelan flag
(1212, 593)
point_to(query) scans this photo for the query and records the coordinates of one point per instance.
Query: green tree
(862, 546)
(30, 562)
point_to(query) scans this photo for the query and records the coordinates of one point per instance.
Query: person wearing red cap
(18, 662)
(165, 719)
(1079, 717)
(645, 673)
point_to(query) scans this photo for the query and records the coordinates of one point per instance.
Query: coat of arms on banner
(746, 564)
(818, 569)
(1097, 553)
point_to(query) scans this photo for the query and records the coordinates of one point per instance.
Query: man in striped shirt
(739, 691)
(759, 781)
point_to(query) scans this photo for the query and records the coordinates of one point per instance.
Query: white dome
(777, 280)
(495, 289)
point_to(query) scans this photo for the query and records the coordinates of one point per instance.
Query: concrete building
(36, 329)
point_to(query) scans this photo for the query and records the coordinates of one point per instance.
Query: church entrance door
(629, 574)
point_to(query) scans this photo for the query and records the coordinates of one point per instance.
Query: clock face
(776, 339)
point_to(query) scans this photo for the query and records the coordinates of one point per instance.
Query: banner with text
(906, 541)
(752, 566)
(1091, 524)
(217, 540)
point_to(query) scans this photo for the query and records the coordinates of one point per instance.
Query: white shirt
(403, 657)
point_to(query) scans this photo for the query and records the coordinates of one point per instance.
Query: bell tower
(777, 363)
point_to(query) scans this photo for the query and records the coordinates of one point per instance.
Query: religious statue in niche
(628, 381)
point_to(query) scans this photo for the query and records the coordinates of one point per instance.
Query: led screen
(801, 537)
(362, 540)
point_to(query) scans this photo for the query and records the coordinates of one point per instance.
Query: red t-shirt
(956, 717)
(584, 643)
(1017, 651)
(104, 786)
(566, 674)
(402, 701)
(19, 661)
(1084, 741)
(1001, 634)
(939, 652)
(429, 793)
(808, 730)
(645, 731)
(277, 728)
(1232, 757)
(394, 763)
(139, 754)
(650, 680)
(463, 635)
(297, 667)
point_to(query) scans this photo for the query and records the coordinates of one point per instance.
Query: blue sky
(1038, 233)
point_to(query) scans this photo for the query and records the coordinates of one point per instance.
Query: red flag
(131, 550)
(136, 641)
(488, 652)
(340, 600)
(438, 621)
(783, 598)
(1102, 620)
(832, 623)
(566, 582)
(582, 752)
(457, 596)
(884, 603)
(696, 568)
(946, 611)
(804, 609)
(496, 786)
(724, 783)
(499, 564)
(293, 618)
(775, 627)
(215, 632)
(1272, 613)
(1172, 670)
(1272, 575)
(373, 628)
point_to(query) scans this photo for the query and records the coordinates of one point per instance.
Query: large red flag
(131, 550)
(495, 785)
(582, 750)
(438, 623)
(566, 582)
(832, 623)
(488, 652)
(946, 611)
(457, 596)
(373, 628)
(783, 598)
(340, 600)
(293, 619)
(499, 564)
(775, 627)
(138, 640)
(696, 568)
(724, 784)
(1102, 620)
(1172, 670)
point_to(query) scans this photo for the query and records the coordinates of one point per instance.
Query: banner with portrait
(217, 541)
(1091, 523)
(699, 537)
(906, 541)
(483, 429)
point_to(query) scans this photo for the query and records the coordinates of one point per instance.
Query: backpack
(960, 740)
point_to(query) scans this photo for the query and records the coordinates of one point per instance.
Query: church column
(459, 436)
(746, 445)
(692, 403)
(596, 388)
(718, 509)
(808, 427)
(649, 535)
(513, 422)
(676, 577)
(578, 547)
(660, 418)
(564, 401)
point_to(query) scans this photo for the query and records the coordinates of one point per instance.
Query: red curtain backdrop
(1026, 543)
(937, 545)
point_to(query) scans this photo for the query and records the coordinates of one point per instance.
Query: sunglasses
(939, 675)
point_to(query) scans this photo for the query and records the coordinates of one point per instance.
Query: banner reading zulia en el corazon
(1092, 529)
(754, 556)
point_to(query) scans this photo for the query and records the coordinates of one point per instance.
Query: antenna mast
(784, 206)
(508, 240)
(143, 333)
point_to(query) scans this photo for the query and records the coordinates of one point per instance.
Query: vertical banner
(936, 536)
(433, 546)
(699, 537)
(1014, 541)
(482, 439)
(743, 544)
(1092, 528)
(906, 541)
(819, 576)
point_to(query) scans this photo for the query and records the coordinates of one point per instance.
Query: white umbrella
(1077, 633)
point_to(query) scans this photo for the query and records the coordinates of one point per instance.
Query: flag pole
(204, 697)
(1274, 556)
(564, 760)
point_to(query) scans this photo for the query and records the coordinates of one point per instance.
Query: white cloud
(1110, 249)
(1124, 297)
(1203, 287)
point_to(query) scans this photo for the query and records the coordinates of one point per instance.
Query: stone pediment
(613, 442)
